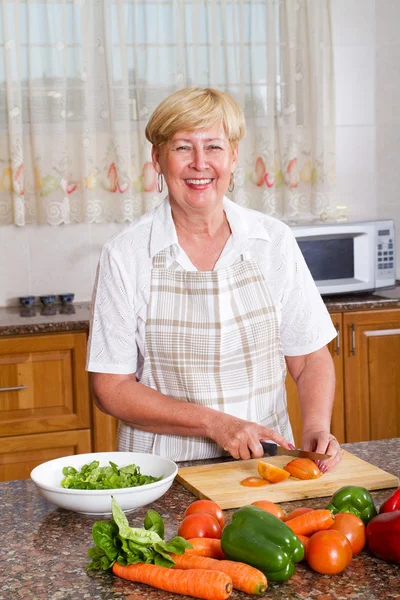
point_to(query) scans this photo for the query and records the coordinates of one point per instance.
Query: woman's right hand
(242, 438)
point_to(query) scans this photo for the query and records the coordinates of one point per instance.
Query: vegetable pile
(94, 477)
(261, 543)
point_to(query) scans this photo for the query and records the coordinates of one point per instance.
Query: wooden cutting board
(221, 482)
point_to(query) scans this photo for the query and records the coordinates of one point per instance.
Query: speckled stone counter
(57, 318)
(44, 319)
(43, 549)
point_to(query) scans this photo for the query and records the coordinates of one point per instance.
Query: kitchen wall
(43, 259)
(367, 81)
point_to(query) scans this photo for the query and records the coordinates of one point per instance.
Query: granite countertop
(16, 320)
(43, 548)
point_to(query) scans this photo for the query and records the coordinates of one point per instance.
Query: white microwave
(349, 257)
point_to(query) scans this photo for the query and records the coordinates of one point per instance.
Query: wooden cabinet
(337, 423)
(372, 374)
(366, 355)
(44, 400)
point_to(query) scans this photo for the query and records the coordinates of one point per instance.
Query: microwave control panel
(385, 253)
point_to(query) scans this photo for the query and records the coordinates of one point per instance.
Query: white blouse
(122, 288)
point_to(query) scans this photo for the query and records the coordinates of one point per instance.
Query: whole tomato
(353, 528)
(270, 507)
(199, 525)
(329, 552)
(208, 507)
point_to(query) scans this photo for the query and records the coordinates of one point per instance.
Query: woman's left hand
(323, 442)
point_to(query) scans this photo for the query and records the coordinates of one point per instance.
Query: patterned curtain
(79, 79)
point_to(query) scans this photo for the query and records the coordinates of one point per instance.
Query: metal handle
(337, 327)
(14, 389)
(353, 339)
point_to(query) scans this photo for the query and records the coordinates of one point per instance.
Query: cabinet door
(372, 374)
(43, 384)
(20, 454)
(337, 422)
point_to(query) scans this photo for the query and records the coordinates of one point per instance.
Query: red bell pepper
(392, 503)
(383, 536)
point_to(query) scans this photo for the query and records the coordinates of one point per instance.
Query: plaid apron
(212, 338)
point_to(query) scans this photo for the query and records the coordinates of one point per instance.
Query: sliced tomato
(254, 482)
(303, 468)
(271, 473)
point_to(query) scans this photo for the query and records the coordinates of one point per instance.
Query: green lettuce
(94, 477)
(116, 541)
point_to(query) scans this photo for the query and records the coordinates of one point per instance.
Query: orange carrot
(244, 577)
(304, 540)
(210, 547)
(207, 585)
(311, 522)
(296, 512)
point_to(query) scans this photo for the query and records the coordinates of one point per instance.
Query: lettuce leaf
(115, 541)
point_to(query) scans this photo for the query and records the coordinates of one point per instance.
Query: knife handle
(269, 448)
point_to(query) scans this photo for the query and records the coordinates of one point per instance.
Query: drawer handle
(353, 340)
(337, 327)
(14, 389)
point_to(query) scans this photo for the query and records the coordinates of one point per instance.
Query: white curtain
(79, 79)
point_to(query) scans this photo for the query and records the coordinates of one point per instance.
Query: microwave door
(339, 262)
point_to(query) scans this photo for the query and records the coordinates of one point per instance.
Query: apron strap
(160, 260)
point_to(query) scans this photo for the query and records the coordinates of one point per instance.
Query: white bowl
(47, 477)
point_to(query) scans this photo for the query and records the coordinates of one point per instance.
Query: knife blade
(271, 449)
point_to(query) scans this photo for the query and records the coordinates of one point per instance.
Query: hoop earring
(160, 182)
(231, 186)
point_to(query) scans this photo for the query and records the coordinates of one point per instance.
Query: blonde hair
(195, 108)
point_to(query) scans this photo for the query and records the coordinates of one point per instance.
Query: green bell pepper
(353, 499)
(261, 540)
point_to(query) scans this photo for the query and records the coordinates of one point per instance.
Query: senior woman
(200, 304)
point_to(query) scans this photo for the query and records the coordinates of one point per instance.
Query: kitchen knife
(271, 449)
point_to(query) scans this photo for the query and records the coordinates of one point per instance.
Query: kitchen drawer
(20, 454)
(43, 384)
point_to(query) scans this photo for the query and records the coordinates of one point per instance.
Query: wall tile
(387, 14)
(14, 265)
(388, 164)
(60, 260)
(353, 22)
(355, 85)
(388, 84)
(355, 170)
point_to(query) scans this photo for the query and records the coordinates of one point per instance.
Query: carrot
(304, 540)
(210, 547)
(297, 512)
(244, 577)
(311, 522)
(207, 585)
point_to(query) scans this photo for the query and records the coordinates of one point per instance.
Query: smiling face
(197, 167)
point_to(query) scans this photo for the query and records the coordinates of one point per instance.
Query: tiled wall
(367, 73)
(44, 259)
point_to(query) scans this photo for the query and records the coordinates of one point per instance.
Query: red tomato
(208, 507)
(270, 507)
(329, 552)
(353, 528)
(200, 525)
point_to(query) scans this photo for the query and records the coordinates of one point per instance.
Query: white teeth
(199, 181)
